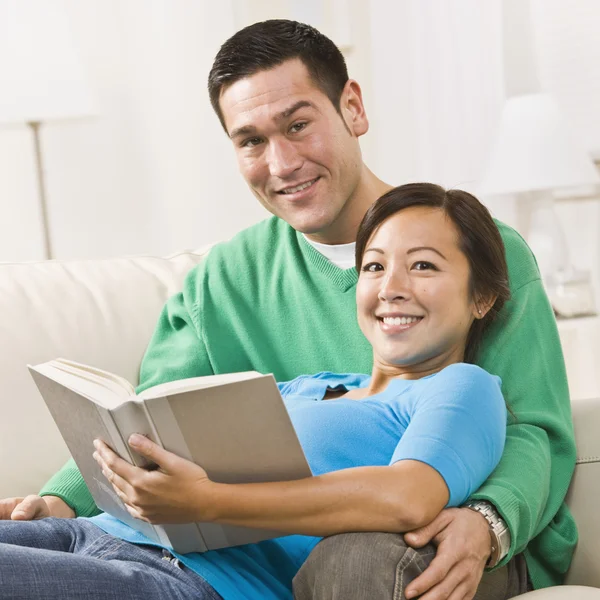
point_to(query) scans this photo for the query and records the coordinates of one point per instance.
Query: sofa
(103, 312)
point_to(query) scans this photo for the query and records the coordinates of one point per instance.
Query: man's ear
(482, 305)
(353, 109)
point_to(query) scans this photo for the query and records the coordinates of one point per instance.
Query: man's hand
(464, 546)
(178, 491)
(34, 507)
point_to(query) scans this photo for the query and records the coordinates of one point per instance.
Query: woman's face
(412, 296)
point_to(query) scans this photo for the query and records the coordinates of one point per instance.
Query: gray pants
(378, 566)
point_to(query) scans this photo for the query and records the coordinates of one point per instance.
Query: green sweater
(268, 301)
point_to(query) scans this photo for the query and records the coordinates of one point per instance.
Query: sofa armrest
(563, 592)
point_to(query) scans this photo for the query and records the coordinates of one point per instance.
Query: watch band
(499, 532)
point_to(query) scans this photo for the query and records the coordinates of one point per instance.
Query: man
(280, 298)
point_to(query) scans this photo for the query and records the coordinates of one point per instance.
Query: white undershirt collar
(341, 255)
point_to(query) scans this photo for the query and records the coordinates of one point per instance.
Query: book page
(105, 392)
(196, 383)
(82, 370)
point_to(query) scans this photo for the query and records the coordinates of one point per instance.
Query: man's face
(299, 156)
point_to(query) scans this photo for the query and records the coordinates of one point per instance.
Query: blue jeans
(62, 559)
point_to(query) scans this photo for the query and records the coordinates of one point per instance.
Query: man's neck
(344, 231)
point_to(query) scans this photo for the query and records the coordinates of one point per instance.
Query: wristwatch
(499, 531)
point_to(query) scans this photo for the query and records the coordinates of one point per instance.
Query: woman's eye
(423, 265)
(296, 127)
(372, 267)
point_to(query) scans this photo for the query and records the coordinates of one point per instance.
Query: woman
(389, 451)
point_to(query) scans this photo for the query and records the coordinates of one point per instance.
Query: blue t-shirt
(454, 421)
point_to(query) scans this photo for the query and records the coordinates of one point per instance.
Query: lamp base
(569, 290)
(546, 237)
(572, 295)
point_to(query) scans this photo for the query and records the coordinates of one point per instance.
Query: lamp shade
(535, 150)
(41, 78)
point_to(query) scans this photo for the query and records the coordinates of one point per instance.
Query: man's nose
(283, 158)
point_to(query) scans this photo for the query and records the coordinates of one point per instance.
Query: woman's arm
(396, 498)
(393, 498)
(453, 441)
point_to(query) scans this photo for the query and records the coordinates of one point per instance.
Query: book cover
(234, 426)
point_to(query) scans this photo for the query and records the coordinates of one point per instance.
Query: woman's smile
(392, 324)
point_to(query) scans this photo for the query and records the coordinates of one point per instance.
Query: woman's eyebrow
(417, 248)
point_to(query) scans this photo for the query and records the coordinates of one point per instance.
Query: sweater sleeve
(176, 351)
(530, 482)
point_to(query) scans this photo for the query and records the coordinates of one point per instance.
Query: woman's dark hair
(263, 46)
(479, 240)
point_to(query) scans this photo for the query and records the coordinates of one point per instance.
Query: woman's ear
(482, 306)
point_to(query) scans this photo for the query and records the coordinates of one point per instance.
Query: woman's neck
(383, 372)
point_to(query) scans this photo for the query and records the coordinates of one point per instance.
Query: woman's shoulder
(465, 372)
(463, 387)
(462, 377)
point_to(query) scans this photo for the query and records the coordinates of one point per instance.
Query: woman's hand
(178, 491)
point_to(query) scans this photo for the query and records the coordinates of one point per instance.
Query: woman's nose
(395, 286)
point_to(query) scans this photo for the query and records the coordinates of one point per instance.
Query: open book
(235, 426)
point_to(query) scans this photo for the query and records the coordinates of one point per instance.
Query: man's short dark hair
(265, 45)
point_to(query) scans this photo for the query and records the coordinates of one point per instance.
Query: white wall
(437, 87)
(567, 47)
(154, 172)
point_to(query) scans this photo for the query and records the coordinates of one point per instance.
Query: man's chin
(310, 227)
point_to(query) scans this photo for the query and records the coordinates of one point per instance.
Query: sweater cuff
(508, 508)
(69, 486)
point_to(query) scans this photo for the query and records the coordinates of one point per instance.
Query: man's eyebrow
(411, 251)
(245, 130)
(288, 112)
(284, 114)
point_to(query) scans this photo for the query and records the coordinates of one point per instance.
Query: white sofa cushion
(100, 312)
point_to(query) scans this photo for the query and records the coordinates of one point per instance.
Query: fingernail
(410, 594)
(96, 444)
(135, 439)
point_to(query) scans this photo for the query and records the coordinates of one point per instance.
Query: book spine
(131, 417)
(120, 423)
(117, 441)
(188, 537)
(185, 537)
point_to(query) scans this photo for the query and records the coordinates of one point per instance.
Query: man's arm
(34, 507)
(176, 351)
(531, 481)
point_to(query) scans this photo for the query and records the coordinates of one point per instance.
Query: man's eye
(251, 142)
(372, 267)
(296, 127)
(423, 265)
